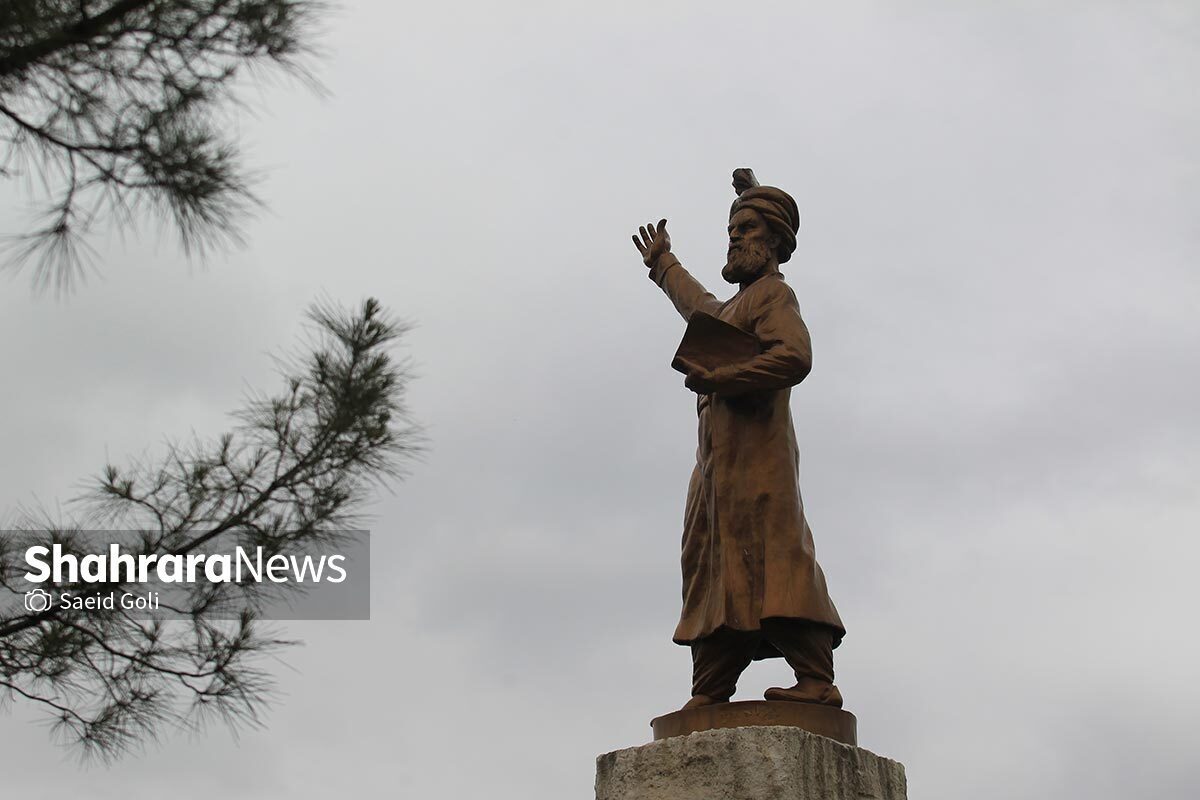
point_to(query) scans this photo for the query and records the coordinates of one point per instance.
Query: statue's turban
(776, 206)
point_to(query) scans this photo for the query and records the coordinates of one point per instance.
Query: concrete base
(755, 763)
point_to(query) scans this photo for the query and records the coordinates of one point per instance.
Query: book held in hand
(710, 343)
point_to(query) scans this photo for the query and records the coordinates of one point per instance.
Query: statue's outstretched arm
(685, 292)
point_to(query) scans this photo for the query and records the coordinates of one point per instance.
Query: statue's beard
(746, 261)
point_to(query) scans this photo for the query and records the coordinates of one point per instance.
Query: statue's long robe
(748, 552)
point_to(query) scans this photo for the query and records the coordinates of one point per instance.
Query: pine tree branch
(81, 32)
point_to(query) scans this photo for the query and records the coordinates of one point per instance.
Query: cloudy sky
(1000, 439)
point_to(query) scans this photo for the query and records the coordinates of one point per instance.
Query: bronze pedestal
(833, 723)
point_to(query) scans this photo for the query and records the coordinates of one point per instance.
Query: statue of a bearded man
(752, 588)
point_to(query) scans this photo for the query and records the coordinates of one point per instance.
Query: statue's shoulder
(774, 289)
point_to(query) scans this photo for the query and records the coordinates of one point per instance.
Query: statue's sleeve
(685, 292)
(787, 349)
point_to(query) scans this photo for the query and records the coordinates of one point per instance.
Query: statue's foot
(699, 700)
(825, 694)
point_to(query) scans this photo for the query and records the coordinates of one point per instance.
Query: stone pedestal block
(751, 763)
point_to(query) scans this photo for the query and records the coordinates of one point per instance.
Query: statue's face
(751, 246)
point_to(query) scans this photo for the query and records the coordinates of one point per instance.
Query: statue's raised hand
(655, 242)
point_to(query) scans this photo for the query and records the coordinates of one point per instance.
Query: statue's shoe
(699, 700)
(823, 694)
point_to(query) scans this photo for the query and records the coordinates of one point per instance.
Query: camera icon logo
(38, 600)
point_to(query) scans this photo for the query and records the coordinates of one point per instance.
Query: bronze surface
(833, 723)
(752, 586)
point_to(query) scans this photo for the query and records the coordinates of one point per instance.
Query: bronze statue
(752, 588)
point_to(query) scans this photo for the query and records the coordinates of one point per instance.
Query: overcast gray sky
(1000, 442)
